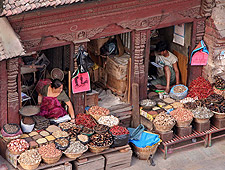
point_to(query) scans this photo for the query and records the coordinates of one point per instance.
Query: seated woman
(50, 98)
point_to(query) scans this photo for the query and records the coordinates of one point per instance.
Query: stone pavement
(195, 157)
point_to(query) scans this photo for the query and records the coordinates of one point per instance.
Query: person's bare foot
(160, 87)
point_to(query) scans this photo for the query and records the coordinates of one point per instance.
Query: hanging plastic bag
(135, 134)
(83, 60)
(199, 55)
(110, 47)
(81, 82)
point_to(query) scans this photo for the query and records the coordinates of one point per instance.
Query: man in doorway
(167, 69)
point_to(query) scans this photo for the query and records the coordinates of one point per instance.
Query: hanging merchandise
(199, 55)
(81, 82)
(84, 62)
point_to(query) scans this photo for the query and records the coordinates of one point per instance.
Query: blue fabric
(147, 139)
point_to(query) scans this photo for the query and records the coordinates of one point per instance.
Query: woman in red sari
(50, 98)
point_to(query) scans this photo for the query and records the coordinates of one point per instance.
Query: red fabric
(51, 108)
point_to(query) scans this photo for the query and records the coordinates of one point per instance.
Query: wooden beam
(3, 94)
(135, 101)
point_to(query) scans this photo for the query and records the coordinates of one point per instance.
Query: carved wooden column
(78, 98)
(13, 96)
(197, 36)
(140, 54)
(3, 93)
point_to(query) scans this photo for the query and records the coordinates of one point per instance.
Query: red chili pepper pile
(119, 130)
(85, 120)
(200, 87)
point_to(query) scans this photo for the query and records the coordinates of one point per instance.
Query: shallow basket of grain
(51, 160)
(75, 150)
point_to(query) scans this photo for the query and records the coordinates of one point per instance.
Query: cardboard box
(93, 163)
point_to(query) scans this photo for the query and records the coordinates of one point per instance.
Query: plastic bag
(120, 140)
(83, 60)
(178, 96)
(147, 139)
(135, 134)
(110, 47)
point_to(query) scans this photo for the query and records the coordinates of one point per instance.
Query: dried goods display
(85, 120)
(164, 121)
(167, 107)
(147, 103)
(52, 128)
(202, 113)
(33, 144)
(156, 108)
(153, 113)
(219, 82)
(182, 114)
(100, 128)
(50, 138)
(28, 139)
(59, 133)
(219, 108)
(96, 112)
(62, 143)
(118, 130)
(169, 100)
(188, 99)
(87, 130)
(200, 88)
(41, 141)
(18, 146)
(49, 151)
(24, 136)
(28, 120)
(36, 137)
(101, 139)
(177, 104)
(11, 128)
(203, 102)
(66, 125)
(179, 89)
(161, 104)
(190, 105)
(76, 147)
(108, 120)
(34, 133)
(215, 98)
(41, 122)
(83, 138)
(44, 133)
(30, 157)
(74, 131)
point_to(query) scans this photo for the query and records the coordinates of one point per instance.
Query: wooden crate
(218, 122)
(66, 166)
(91, 99)
(183, 131)
(147, 123)
(118, 160)
(3, 147)
(94, 163)
(165, 136)
(201, 127)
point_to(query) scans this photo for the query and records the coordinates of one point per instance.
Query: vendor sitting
(50, 98)
(168, 73)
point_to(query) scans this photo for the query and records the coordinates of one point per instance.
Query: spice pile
(182, 114)
(85, 120)
(18, 146)
(66, 125)
(119, 130)
(96, 112)
(30, 157)
(76, 147)
(108, 120)
(200, 88)
(202, 113)
(101, 139)
(179, 89)
(164, 119)
(49, 151)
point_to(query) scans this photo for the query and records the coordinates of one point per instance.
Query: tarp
(10, 45)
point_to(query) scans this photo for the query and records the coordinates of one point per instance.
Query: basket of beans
(100, 142)
(120, 135)
(100, 128)
(62, 143)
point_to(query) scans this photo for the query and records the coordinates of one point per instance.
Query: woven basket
(183, 123)
(15, 153)
(75, 155)
(29, 167)
(144, 153)
(97, 149)
(8, 139)
(51, 160)
(57, 73)
(218, 115)
(162, 128)
(197, 120)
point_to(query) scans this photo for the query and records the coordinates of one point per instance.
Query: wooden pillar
(197, 35)
(13, 96)
(3, 93)
(78, 98)
(135, 100)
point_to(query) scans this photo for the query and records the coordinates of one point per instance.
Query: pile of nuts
(182, 114)
(49, 151)
(101, 139)
(30, 157)
(96, 112)
(18, 145)
(59, 133)
(202, 113)
(164, 119)
(76, 147)
(66, 125)
(179, 89)
(108, 120)
(63, 142)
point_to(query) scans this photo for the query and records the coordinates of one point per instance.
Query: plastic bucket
(25, 127)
